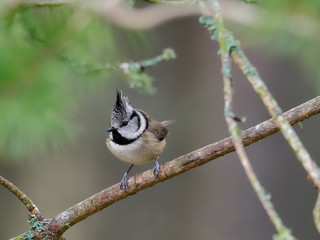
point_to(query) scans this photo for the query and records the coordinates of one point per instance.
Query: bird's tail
(167, 122)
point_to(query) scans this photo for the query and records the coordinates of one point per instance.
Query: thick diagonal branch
(105, 198)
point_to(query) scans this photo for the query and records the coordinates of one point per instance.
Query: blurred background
(58, 81)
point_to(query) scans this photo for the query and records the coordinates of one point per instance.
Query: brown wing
(158, 129)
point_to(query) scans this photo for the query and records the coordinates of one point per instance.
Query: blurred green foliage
(50, 57)
(306, 7)
(289, 28)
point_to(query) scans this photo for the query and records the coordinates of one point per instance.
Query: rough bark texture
(105, 198)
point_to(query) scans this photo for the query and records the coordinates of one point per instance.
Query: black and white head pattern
(129, 123)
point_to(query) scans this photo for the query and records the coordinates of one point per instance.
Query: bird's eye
(124, 123)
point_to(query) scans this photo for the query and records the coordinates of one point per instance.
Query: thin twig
(288, 132)
(316, 213)
(273, 108)
(233, 127)
(275, 111)
(64, 220)
(22, 196)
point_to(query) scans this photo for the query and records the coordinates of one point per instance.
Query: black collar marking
(118, 139)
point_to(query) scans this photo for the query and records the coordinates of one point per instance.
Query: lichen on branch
(261, 89)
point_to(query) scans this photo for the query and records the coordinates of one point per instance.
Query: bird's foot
(156, 168)
(124, 182)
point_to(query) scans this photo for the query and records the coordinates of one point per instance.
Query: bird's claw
(156, 168)
(124, 182)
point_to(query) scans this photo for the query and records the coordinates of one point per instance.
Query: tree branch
(288, 132)
(119, 13)
(275, 111)
(253, 77)
(22, 196)
(231, 119)
(64, 220)
(221, 35)
(164, 11)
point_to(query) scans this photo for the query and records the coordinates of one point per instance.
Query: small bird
(134, 136)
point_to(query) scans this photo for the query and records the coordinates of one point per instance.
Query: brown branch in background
(22, 196)
(238, 12)
(120, 14)
(64, 220)
(144, 18)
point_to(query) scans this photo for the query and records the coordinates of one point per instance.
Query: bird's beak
(111, 129)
